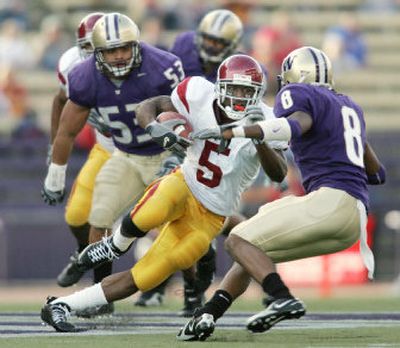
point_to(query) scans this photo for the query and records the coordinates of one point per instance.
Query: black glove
(51, 197)
(163, 134)
(97, 122)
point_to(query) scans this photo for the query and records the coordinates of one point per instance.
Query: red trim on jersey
(182, 88)
(61, 78)
(149, 194)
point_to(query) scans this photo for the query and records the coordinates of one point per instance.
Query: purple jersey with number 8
(331, 153)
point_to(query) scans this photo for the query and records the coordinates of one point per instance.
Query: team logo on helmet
(307, 65)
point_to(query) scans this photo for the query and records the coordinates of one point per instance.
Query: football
(182, 130)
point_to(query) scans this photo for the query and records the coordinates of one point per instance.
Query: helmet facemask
(235, 106)
(118, 69)
(211, 52)
(85, 48)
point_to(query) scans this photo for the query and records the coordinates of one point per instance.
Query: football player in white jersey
(193, 201)
(80, 200)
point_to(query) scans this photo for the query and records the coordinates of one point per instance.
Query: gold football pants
(188, 231)
(80, 199)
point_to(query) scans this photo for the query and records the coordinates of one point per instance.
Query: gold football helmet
(218, 35)
(112, 31)
(307, 65)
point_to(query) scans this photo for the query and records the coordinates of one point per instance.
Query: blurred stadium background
(35, 241)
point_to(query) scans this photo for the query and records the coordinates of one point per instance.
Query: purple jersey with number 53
(158, 74)
(331, 153)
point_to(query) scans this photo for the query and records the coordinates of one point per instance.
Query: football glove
(51, 197)
(164, 135)
(169, 164)
(208, 133)
(97, 122)
(53, 190)
(215, 132)
(254, 113)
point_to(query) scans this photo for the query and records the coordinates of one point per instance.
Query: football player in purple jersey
(121, 73)
(216, 38)
(79, 202)
(201, 52)
(327, 136)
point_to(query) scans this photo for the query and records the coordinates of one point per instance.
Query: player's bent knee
(101, 218)
(129, 229)
(232, 243)
(76, 217)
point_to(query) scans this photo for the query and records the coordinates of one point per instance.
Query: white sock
(86, 298)
(121, 242)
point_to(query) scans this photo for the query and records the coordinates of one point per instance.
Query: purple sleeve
(81, 85)
(164, 70)
(292, 98)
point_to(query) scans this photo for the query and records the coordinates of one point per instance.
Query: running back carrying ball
(182, 130)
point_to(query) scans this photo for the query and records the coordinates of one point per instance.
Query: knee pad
(76, 215)
(129, 229)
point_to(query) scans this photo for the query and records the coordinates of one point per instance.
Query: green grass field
(311, 333)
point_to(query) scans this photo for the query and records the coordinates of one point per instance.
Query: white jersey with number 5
(216, 179)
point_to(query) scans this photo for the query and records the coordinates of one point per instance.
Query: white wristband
(55, 179)
(238, 132)
(276, 129)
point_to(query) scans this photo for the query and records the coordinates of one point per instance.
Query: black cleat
(98, 253)
(97, 311)
(70, 274)
(280, 309)
(197, 328)
(266, 301)
(92, 256)
(56, 315)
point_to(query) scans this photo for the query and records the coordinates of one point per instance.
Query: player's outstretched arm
(273, 162)
(376, 172)
(73, 118)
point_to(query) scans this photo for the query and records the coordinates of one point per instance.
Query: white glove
(54, 185)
